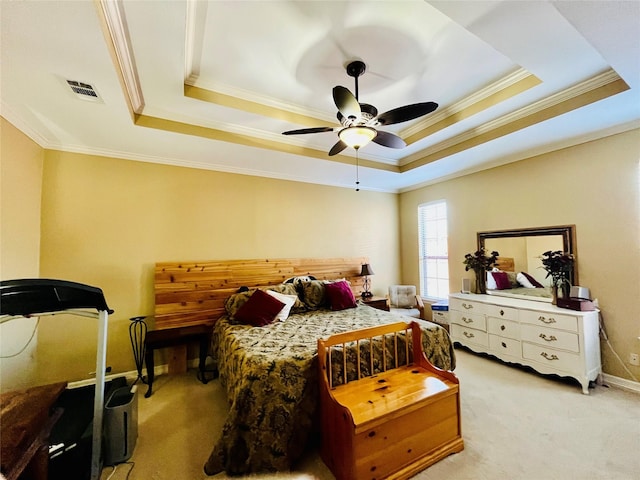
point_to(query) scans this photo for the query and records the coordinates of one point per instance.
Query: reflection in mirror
(520, 251)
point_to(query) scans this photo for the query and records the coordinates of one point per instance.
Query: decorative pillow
(528, 281)
(314, 294)
(296, 281)
(260, 310)
(288, 300)
(502, 280)
(340, 295)
(235, 302)
(290, 289)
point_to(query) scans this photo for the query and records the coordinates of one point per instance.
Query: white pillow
(524, 281)
(491, 282)
(288, 301)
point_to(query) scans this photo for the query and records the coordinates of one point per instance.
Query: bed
(270, 372)
(505, 281)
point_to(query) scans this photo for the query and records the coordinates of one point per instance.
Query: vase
(554, 294)
(481, 281)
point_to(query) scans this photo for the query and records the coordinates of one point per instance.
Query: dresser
(549, 339)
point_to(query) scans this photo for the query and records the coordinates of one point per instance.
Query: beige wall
(594, 186)
(20, 190)
(105, 222)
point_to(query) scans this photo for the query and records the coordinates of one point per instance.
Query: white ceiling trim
(444, 113)
(587, 86)
(116, 23)
(17, 121)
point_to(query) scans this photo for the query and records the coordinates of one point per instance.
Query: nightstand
(377, 302)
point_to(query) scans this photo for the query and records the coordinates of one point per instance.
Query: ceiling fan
(360, 120)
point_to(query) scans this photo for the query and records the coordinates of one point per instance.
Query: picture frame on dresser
(549, 339)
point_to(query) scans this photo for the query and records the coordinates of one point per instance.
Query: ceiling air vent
(84, 91)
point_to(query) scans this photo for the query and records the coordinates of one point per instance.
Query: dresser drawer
(464, 305)
(548, 319)
(498, 311)
(550, 337)
(472, 320)
(503, 328)
(469, 335)
(507, 346)
(553, 359)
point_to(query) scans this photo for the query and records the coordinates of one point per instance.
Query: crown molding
(117, 32)
(596, 88)
(180, 162)
(466, 103)
(10, 115)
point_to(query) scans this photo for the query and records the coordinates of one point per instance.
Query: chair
(403, 300)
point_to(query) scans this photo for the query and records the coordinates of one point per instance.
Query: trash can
(120, 425)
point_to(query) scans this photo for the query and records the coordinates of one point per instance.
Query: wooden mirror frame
(568, 233)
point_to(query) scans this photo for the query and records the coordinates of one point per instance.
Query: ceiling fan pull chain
(357, 172)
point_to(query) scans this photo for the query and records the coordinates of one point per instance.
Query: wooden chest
(392, 424)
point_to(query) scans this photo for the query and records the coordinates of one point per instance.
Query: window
(434, 253)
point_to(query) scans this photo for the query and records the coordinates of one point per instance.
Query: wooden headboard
(190, 293)
(505, 264)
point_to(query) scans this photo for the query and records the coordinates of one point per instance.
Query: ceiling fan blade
(337, 148)
(390, 140)
(303, 131)
(345, 101)
(408, 112)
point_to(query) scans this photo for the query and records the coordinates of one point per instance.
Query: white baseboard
(131, 375)
(622, 383)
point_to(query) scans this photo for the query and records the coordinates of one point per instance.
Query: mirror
(526, 245)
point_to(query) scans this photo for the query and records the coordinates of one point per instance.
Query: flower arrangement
(558, 266)
(480, 263)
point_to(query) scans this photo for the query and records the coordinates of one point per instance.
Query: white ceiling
(213, 84)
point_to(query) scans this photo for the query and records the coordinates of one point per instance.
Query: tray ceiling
(213, 85)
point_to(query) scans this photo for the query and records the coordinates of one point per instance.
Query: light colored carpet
(515, 424)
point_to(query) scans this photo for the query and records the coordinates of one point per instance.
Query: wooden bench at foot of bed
(388, 425)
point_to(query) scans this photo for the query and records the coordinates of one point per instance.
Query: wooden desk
(170, 337)
(27, 420)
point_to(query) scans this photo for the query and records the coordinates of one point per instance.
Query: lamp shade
(356, 137)
(366, 270)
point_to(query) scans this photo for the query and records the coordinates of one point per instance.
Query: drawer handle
(467, 306)
(468, 335)
(467, 320)
(549, 357)
(550, 338)
(501, 312)
(504, 344)
(546, 320)
(503, 328)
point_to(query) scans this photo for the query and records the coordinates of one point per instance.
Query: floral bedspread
(271, 377)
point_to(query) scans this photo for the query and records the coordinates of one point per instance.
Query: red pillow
(260, 310)
(502, 280)
(533, 281)
(340, 295)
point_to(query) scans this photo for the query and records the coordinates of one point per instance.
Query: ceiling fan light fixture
(357, 137)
